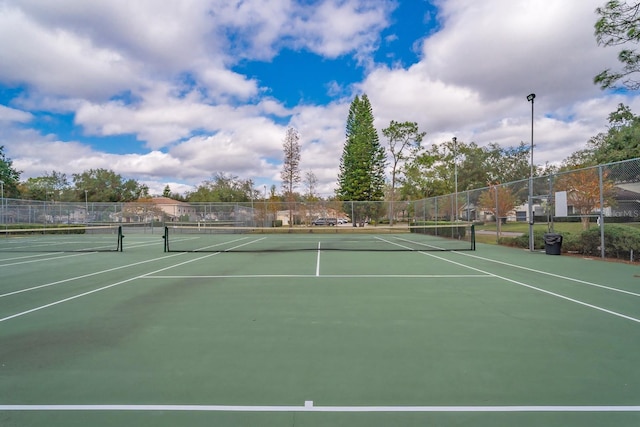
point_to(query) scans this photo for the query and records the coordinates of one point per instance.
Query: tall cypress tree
(363, 159)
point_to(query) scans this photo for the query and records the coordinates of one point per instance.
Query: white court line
(84, 276)
(102, 288)
(40, 255)
(309, 407)
(42, 259)
(318, 262)
(584, 282)
(595, 307)
(329, 276)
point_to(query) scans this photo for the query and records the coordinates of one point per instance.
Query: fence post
(497, 216)
(601, 185)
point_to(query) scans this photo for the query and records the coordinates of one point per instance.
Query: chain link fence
(592, 199)
(602, 203)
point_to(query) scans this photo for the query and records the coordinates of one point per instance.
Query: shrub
(619, 241)
(523, 241)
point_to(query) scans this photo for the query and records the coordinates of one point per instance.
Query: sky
(175, 92)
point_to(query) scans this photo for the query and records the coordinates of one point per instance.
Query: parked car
(325, 221)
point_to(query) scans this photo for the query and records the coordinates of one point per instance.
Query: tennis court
(316, 337)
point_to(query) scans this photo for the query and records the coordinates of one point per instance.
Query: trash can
(552, 243)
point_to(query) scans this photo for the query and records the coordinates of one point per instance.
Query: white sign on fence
(561, 203)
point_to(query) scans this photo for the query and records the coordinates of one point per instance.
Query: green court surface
(496, 336)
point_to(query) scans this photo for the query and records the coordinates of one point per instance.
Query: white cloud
(504, 47)
(58, 61)
(12, 115)
(474, 76)
(334, 27)
(164, 73)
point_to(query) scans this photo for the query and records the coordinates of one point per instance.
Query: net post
(473, 237)
(120, 239)
(165, 237)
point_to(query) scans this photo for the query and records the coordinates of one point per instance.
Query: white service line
(84, 276)
(584, 282)
(595, 307)
(103, 288)
(326, 276)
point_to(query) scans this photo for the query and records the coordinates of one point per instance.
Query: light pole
(530, 98)
(2, 200)
(455, 175)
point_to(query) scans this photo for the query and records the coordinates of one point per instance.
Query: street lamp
(530, 98)
(455, 174)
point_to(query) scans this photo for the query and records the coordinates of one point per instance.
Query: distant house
(159, 209)
(627, 201)
(175, 210)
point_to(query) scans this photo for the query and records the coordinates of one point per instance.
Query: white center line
(318, 262)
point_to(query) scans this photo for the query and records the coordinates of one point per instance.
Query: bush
(619, 241)
(523, 241)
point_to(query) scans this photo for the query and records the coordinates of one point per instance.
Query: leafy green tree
(509, 164)
(102, 185)
(167, 191)
(419, 178)
(9, 176)
(432, 172)
(473, 164)
(619, 25)
(620, 142)
(222, 188)
(54, 185)
(404, 143)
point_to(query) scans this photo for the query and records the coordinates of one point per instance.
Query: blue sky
(176, 92)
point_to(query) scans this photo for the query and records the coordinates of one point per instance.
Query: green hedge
(523, 241)
(619, 241)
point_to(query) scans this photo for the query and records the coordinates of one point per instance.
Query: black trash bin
(552, 243)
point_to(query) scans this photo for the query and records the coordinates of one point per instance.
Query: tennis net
(103, 238)
(211, 238)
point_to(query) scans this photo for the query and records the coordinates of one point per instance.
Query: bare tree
(404, 142)
(310, 184)
(291, 167)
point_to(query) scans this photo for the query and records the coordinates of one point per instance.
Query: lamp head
(531, 97)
